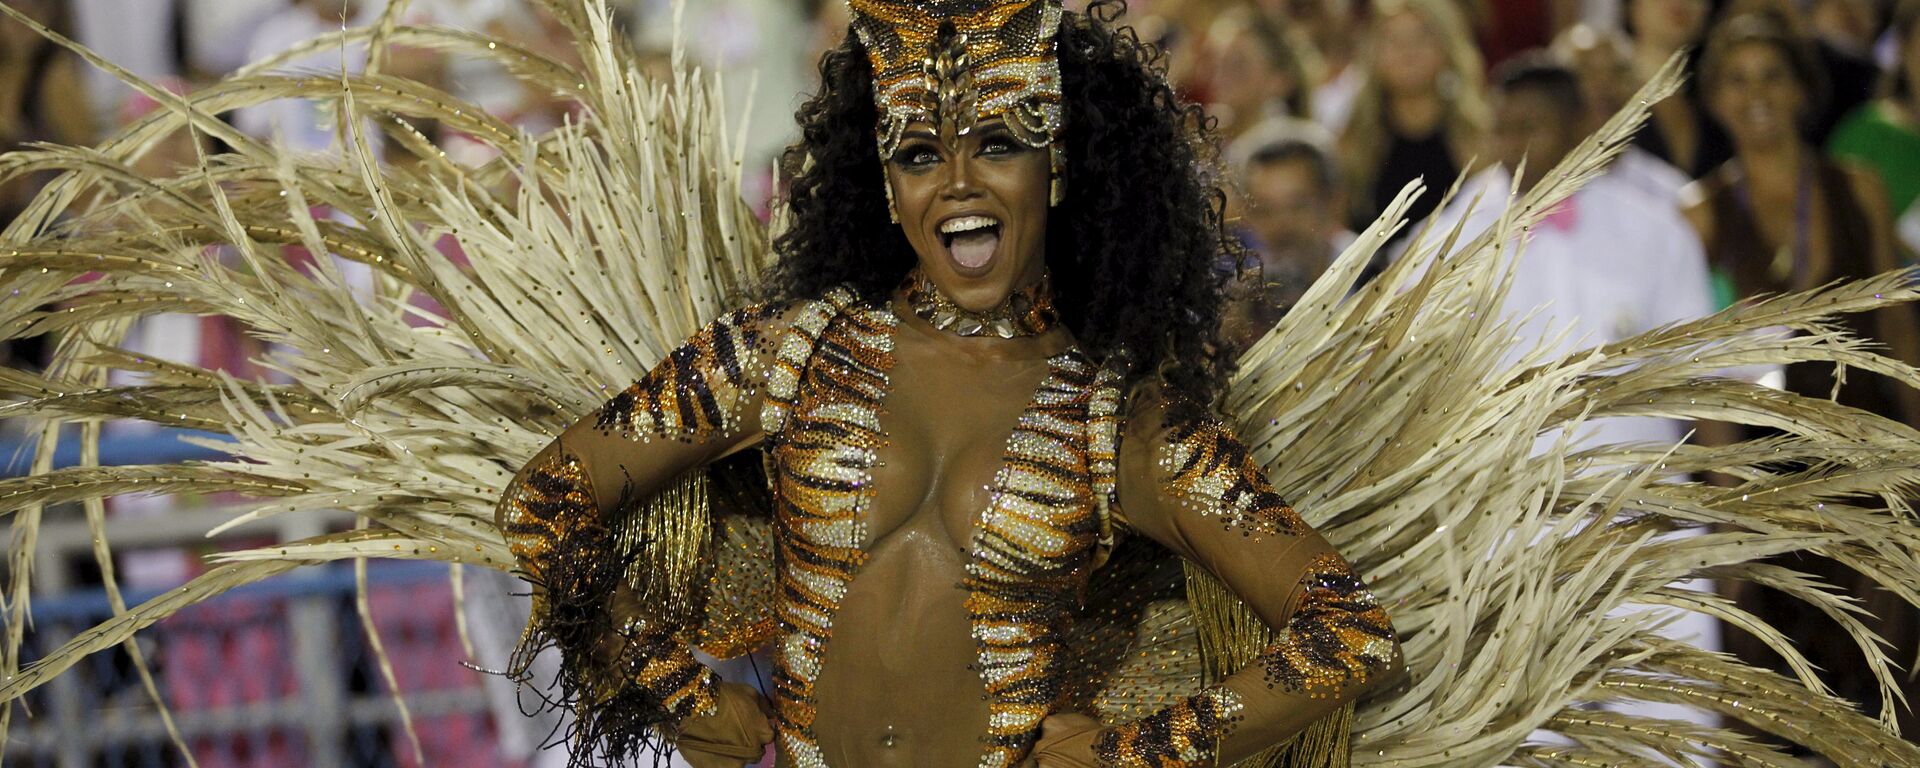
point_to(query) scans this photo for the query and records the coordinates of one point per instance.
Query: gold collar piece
(1028, 311)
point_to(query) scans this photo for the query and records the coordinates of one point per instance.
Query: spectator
(1507, 28)
(1179, 27)
(1884, 135)
(1779, 217)
(1420, 111)
(1259, 73)
(1608, 264)
(1844, 63)
(39, 87)
(1680, 132)
(1843, 33)
(1292, 201)
(1600, 59)
(1334, 33)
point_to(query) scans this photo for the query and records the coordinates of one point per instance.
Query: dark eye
(998, 145)
(916, 156)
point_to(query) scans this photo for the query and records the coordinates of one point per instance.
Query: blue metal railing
(164, 446)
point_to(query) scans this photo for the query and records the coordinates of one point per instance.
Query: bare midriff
(900, 682)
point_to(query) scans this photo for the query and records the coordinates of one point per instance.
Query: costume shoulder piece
(1384, 412)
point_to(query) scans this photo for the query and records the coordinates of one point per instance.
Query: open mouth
(971, 240)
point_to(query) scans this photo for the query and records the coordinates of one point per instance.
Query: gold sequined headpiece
(954, 63)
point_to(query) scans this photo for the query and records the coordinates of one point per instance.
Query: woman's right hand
(737, 733)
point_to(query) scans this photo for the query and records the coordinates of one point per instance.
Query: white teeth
(967, 224)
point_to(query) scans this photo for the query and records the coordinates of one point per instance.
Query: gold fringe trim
(665, 542)
(1231, 635)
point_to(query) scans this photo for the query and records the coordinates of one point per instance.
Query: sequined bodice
(1030, 547)
(971, 629)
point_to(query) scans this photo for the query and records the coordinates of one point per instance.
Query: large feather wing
(588, 253)
(1524, 581)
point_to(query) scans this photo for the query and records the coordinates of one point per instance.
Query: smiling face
(1410, 54)
(1757, 96)
(1528, 126)
(974, 208)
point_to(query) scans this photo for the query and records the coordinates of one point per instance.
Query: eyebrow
(920, 133)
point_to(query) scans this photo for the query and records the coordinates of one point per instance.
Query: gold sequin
(1010, 68)
(1030, 555)
(697, 392)
(1337, 638)
(1185, 735)
(824, 427)
(1210, 472)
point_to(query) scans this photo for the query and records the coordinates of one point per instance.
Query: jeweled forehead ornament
(955, 63)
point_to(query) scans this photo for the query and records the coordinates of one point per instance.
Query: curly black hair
(1134, 251)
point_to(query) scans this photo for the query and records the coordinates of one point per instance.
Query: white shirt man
(1606, 265)
(1609, 263)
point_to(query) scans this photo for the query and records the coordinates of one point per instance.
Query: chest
(873, 446)
(946, 451)
(987, 458)
(1796, 249)
(1589, 282)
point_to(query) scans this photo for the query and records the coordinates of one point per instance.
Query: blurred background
(1793, 158)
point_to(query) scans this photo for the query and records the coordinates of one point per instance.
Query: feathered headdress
(957, 62)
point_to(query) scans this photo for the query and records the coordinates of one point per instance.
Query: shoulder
(1145, 414)
(1159, 430)
(1633, 206)
(753, 324)
(1653, 177)
(773, 319)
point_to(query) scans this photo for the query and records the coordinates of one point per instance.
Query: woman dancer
(964, 396)
(593, 252)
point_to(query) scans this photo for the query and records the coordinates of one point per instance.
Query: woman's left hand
(1066, 741)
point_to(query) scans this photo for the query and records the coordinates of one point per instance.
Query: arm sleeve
(627, 666)
(1194, 488)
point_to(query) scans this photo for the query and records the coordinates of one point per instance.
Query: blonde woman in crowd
(1420, 111)
(1333, 30)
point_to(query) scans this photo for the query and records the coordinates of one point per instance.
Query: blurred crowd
(1790, 158)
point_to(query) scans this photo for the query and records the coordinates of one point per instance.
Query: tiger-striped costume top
(1052, 520)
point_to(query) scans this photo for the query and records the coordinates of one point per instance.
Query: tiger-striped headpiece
(957, 62)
